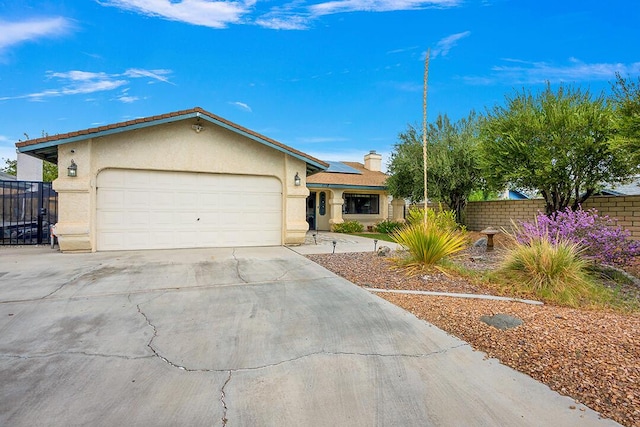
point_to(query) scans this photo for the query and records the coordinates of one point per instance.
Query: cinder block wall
(499, 213)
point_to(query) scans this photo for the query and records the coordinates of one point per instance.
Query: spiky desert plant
(553, 270)
(428, 245)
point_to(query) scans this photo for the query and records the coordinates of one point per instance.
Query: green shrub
(348, 227)
(428, 245)
(387, 226)
(444, 219)
(554, 271)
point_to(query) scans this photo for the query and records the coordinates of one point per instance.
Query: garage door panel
(115, 199)
(157, 210)
(135, 198)
(137, 219)
(186, 199)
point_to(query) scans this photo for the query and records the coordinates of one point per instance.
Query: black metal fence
(27, 209)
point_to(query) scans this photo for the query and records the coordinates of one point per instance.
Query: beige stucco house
(350, 191)
(179, 180)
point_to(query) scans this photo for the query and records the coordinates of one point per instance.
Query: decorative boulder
(384, 251)
(480, 243)
(501, 321)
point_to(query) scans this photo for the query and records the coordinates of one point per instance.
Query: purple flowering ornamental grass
(602, 240)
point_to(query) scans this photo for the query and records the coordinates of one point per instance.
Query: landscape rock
(480, 243)
(501, 321)
(384, 251)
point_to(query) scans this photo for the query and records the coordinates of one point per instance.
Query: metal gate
(27, 209)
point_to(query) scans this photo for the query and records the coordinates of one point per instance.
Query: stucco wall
(171, 147)
(499, 213)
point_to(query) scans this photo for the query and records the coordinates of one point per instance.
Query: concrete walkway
(321, 242)
(237, 337)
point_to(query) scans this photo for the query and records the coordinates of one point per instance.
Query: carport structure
(185, 179)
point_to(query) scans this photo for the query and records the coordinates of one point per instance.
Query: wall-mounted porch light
(296, 180)
(72, 170)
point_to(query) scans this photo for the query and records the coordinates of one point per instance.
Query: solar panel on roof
(339, 167)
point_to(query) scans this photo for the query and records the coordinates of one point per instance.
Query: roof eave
(44, 150)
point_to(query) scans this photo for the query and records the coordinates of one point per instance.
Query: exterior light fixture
(296, 180)
(375, 244)
(72, 170)
(198, 128)
(334, 246)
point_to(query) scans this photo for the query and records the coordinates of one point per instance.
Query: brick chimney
(373, 161)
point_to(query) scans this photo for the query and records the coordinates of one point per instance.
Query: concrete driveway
(244, 337)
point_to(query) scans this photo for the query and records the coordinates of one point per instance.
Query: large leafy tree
(626, 100)
(49, 171)
(453, 171)
(556, 142)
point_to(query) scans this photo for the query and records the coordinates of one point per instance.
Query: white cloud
(283, 22)
(214, 14)
(125, 98)
(446, 44)
(80, 76)
(402, 50)
(516, 71)
(84, 82)
(160, 75)
(128, 99)
(296, 15)
(343, 6)
(241, 105)
(18, 32)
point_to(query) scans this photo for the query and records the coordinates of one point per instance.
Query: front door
(311, 210)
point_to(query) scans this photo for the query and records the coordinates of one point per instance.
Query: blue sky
(332, 78)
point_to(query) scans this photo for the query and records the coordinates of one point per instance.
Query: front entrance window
(361, 203)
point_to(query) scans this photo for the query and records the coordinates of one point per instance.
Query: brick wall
(499, 213)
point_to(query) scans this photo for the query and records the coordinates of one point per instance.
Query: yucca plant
(552, 270)
(428, 245)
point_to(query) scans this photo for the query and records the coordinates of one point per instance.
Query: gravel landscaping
(591, 355)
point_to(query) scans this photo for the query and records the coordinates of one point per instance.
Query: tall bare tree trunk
(424, 131)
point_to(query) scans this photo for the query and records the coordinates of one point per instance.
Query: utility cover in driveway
(141, 209)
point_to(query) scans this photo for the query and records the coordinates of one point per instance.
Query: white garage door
(163, 210)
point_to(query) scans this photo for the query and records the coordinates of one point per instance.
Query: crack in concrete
(293, 359)
(346, 353)
(155, 334)
(224, 403)
(233, 253)
(80, 353)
